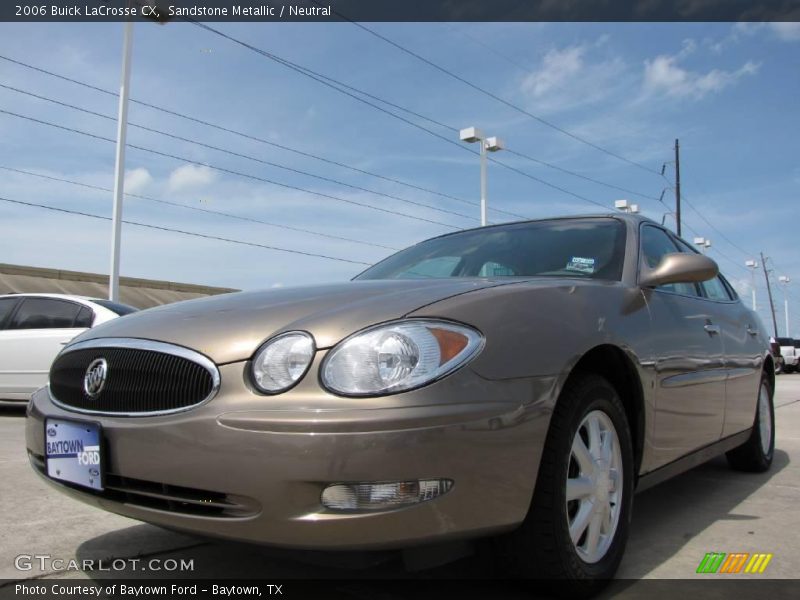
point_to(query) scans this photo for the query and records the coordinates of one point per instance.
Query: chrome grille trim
(146, 345)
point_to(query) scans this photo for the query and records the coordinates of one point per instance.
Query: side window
(6, 306)
(655, 244)
(714, 289)
(45, 313)
(84, 318)
(731, 292)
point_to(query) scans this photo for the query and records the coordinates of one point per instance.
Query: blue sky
(729, 92)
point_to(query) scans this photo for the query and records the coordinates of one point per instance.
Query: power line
(198, 209)
(239, 133)
(694, 209)
(499, 98)
(183, 232)
(237, 154)
(581, 176)
(230, 171)
(547, 183)
(491, 49)
(332, 83)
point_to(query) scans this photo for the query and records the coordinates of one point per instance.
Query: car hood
(231, 327)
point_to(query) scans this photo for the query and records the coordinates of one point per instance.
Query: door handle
(751, 331)
(711, 329)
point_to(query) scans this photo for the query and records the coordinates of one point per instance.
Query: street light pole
(119, 168)
(752, 265)
(492, 144)
(784, 280)
(483, 182)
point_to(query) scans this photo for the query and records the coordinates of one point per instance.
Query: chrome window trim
(150, 346)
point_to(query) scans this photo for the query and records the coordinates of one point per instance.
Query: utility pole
(769, 293)
(678, 186)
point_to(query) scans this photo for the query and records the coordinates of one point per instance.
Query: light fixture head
(700, 241)
(750, 263)
(621, 205)
(471, 135)
(494, 144)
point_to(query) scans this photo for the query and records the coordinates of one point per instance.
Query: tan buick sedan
(517, 381)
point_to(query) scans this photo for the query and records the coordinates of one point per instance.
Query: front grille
(141, 377)
(165, 497)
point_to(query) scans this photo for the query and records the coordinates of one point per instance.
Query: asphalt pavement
(708, 509)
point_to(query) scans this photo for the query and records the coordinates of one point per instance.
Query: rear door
(35, 333)
(689, 360)
(744, 353)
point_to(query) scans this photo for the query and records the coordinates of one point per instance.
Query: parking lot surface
(708, 509)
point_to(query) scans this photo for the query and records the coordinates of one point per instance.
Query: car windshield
(582, 247)
(120, 309)
(785, 341)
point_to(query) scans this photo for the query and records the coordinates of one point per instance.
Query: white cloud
(784, 31)
(788, 32)
(664, 75)
(572, 76)
(136, 180)
(190, 176)
(558, 66)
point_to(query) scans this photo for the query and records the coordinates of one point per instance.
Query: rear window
(45, 313)
(120, 309)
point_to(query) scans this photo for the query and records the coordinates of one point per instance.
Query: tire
(542, 548)
(755, 455)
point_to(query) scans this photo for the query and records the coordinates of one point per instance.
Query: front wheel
(756, 454)
(577, 525)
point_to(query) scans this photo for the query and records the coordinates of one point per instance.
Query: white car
(34, 328)
(791, 353)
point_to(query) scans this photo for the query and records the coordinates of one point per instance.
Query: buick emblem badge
(95, 379)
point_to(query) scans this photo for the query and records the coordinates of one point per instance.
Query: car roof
(72, 297)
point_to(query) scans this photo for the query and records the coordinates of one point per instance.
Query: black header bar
(402, 10)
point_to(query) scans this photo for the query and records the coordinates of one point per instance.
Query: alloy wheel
(594, 486)
(764, 419)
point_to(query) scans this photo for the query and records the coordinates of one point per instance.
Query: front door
(689, 361)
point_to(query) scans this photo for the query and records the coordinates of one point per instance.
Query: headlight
(282, 361)
(398, 356)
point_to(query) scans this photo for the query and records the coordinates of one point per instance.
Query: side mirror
(679, 268)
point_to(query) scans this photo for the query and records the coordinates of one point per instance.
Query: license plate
(73, 453)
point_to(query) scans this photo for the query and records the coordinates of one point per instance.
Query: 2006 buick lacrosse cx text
(516, 381)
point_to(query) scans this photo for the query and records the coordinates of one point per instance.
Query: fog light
(384, 495)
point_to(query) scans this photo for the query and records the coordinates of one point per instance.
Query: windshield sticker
(581, 265)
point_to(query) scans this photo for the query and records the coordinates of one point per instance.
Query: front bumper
(251, 468)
